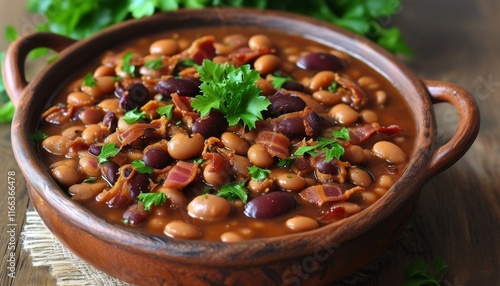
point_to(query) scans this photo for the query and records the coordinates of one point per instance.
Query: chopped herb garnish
(89, 80)
(333, 87)
(342, 134)
(141, 167)
(89, 180)
(258, 174)
(117, 78)
(188, 63)
(330, 147)
(108, 150)
(286, 163)
(150, 199)
(418, 273)
(234, 191)
(199, 161)
(166, 111)
(132, 116)
(155, 64)
(38, 136)
(278, 81)
(128, 67)
(232, 91)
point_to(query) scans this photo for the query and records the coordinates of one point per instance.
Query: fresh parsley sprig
(127, 67)
(330, 147)
(234, 191)
(155, 64)
(258, 174)
(141, 167)
(108, 150)
(232, 91)
(133, 116)
(150, 199)
(89, 80)
(166, 111)
(279, 81)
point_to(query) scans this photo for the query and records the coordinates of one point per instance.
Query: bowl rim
(216, 252)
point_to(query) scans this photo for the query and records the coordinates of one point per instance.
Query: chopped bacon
(200, 49)
(183, 106)
(320, 194)
(244, 55)
(59, 114)
(128, 186)
(181, 175)
(334, 214)
(78, 144)
(276, 143)
(358, 96)
(157, 128)
(363, 133)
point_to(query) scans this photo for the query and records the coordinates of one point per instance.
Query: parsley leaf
(155, 64)
(333, 86)
(38, 136)
(108, 150)
(257, 173)
(89, 180)
(331, 148)
(127, 67)
(286, 163)
(342, 134)
(232, 91)
(141, 167)
(278, 81)
(234, 191)
(418, 273)
(132, 116)
(89, 80)
(188, 63)
(150, 199)
(166, 111)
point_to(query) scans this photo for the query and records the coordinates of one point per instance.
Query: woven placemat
(69, 269)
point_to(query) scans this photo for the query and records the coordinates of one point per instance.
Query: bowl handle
(13, 66)
(468, 124)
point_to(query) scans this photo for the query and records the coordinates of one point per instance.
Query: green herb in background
(419, 273)
(89, 80)
(80, 19)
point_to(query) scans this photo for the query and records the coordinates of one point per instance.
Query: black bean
(139, 183)
(110, 121)
(156, 158)
(110, 172)
(285, 103)
(212, 125)
(270, 205)
(183, 87)
(136, 95)
(320, 62)
(95, 150)
(135, 214)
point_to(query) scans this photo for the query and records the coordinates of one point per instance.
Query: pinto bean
(79, 99)
(73, 132)
(257, 42)
(175, 196)
(104, 70)
(217, 178)
(326, 97)
(322, 80)
(354, 154)
(181, 229)
(86, 191)
(359, 177)
(104, 85)
(234, 142)
(381, 97)
(368, 116)
(290, 182)
(267, 88)
(66, 173)
(385, 181)
(389, 151)
(266, 64)
(231, 236)
(183, 147)
(301, 223)
(93, 134)
(166, 47)
(263, 186)
(368, 82)
(91, 115)
(209, 207)
(344, 114)
(110, 105)
(89, 166)
(258, 155)
(235, 41)
(56, 144)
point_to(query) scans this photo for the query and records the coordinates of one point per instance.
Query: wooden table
(458, 215)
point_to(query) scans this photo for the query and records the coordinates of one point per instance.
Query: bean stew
(227, 134)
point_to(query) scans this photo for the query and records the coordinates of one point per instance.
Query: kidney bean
(110, 121)
(270, 205)
(330, 168)
(136, 95)
(110, 172)
(183, 87)
(258, 155)
(389, 151)
(183, 147)
(293, 85)
(301, 223)
(299, 125)
(285, 103)
(266, 64)
(156, 158)
(209, 207)
(181, 229)
(135, 214)
(234, 142)
(320, 62)
(166, 47)
(212, 125)
(95, 150)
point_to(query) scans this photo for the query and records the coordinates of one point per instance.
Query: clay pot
(310, 258)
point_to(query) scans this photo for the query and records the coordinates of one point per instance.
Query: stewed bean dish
(226, 134)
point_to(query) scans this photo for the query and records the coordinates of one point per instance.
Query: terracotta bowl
(311, 258)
